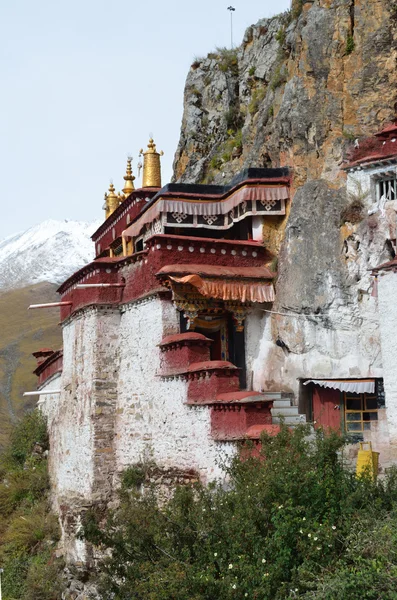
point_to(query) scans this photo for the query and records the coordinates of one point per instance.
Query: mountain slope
(23, 332)
(50, 251)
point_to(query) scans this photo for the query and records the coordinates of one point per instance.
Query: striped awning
(354, 386)
(206, 208)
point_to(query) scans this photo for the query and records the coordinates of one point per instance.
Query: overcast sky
(85, 82)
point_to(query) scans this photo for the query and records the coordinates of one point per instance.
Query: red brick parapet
(50, 366)
(139, 273)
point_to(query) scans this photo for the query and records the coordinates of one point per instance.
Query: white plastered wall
(152, 420)
(387, 294)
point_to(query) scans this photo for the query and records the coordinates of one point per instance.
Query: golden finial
(129, 179)
(112, 200)
(106, 206)
(151, 166)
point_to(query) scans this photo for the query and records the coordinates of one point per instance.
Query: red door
(326, 408)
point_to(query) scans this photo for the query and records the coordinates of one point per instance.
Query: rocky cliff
(298, 92)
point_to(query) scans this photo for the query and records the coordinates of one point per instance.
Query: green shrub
(350, 44)
(233, 118)
(28, 530)
(279, 77)
(256, 99)
(281, 36)
(31, 430)
(296, 9)
(291, 519)
(227, 60)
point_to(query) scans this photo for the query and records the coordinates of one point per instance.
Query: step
(281, 403)
(291, 420)
(290, 411)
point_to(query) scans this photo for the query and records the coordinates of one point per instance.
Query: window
(388, 188)
(360, 411)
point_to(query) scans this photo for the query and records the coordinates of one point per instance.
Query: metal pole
(231, 9)
(1, 571)
(41, 393)
(49, 305)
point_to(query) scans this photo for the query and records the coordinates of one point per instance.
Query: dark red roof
(189, 336)
(375, 148)
(243, 397)
(217, 271)
(46, 363)
(388, 130)
(42, 352)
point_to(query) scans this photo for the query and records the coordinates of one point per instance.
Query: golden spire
(129, 179)
(112, 201)
(151, 166)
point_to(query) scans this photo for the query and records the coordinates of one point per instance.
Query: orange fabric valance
(223, 289)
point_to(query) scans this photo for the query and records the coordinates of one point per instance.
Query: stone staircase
(284, 409)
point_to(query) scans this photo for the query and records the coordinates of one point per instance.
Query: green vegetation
(228, 61)
(23, 332)
(28, 530)
(251, 71)
(257, 97)
(279, 77)
(350, 44)
(197, 60)
(233, 118)
(281, 35)
(296, 10)
(293, 522)
(348, 135)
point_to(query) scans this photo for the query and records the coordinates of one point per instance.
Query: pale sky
(85, 82)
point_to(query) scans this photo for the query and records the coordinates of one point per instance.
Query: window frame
(363, 409)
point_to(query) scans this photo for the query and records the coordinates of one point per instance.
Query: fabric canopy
(205, 208)
(354, 386)
(243, 291)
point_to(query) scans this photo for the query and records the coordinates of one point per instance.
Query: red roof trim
(216, 271)
(46, 363)
(139, 193)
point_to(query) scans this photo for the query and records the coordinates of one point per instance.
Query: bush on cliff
(293, 522)
(28, 530)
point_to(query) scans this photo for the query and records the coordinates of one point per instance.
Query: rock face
(298, 92)
(294, 93)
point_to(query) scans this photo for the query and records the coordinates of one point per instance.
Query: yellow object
(367, 461)
(151, 166)
(129, 179)
(112, 201)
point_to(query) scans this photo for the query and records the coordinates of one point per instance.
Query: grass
(23, 332)
(28, 530)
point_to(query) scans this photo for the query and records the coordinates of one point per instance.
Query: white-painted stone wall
(90, 342)
(152, 420)
(387, 294)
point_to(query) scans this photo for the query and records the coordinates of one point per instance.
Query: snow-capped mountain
(50, 251)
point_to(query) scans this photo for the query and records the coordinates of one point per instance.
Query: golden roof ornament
(129, 179)
(151, 166)
(112, 200)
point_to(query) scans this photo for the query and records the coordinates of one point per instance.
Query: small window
(360, 410)
(388, 188)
